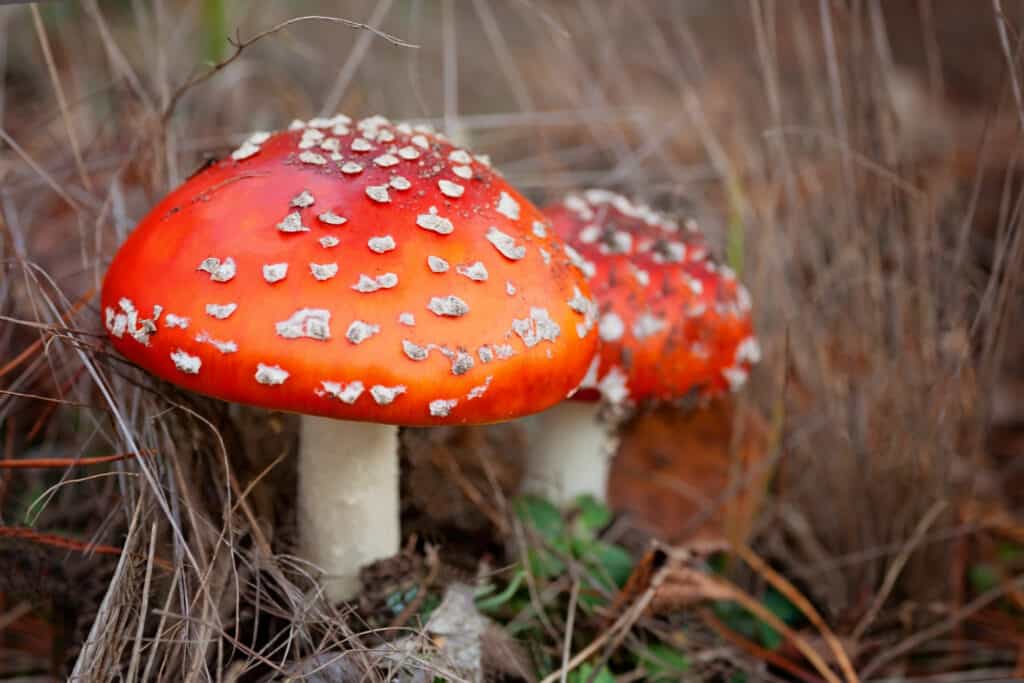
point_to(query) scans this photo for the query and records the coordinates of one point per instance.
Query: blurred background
(855, 161)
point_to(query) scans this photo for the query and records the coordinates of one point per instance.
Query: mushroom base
(570, 453)
(348, 498)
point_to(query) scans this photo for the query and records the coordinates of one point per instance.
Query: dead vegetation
(857, 161)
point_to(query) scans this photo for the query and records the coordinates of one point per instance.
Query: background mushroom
(670, 322)
(365, 275)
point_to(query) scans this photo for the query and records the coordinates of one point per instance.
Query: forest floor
(855, 514)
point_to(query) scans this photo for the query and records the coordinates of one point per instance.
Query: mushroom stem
(348, 498)
(571, 453)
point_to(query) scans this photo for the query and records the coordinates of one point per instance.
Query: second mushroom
(670, 322)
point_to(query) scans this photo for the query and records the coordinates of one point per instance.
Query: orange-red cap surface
(357, 270)
(670, 319)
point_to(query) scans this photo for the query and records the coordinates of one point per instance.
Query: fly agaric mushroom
(670, 321)
(365, 275)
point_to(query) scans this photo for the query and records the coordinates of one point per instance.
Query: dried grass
(872, 205)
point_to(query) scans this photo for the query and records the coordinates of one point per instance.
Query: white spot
(309, 138)
(382, 244)
(296, 124)
(361, 145)
(351, 168)
(275, 272)
(464, 172)
(485, 353)
(540, 230)
(312, 158)
(323, 271)
(400, 183)
(618, 242)
(462, 363)
(510, 288)
(303, 199)
(415, 351)
(270, 374)
(508, 207)
(590, 234)
(611, 328)
(441, 407)
(748, 351)
(431, 221)
(544, 254)
(245, 150)
(584, 266)
(346, 393)
(580, 303)
(378, 193)
(386, 160)
(409, 153)
(642, 276)
(359, 331)
(451, 306)
(613, 386)
(450, 189)
(736, 377)
(505, 244)
(331, 218)
(292, 223)
(171, 320)
(222, 346)
(369, 284)
(669, 252)
(328, 241)
(220, 271)
(331, 145)
(503, 351)
(407, 319)
(185, 362)
(648, 324)
(314, 323)
(420, 141)
(437, 264)
(479, 390)
(537, 328)
(384, 395)
(474, 271)
(743, 299)
(221, 311)
(459, 156)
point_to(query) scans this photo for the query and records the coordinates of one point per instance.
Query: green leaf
(594, 515)
(496, 601)
(983, 577)
(615, 562)
(541, 515)
(1009, 552)
(544, 563)
(663, 663)
(781, 607)
(583, 674)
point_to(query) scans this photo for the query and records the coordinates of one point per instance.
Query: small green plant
(607, 566)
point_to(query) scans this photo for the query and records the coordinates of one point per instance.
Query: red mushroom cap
(364, 271)
(670, 319)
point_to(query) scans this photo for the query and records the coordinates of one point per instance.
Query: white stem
(348, 498)
(570, 453)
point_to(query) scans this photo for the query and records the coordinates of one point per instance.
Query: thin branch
(240, 45)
